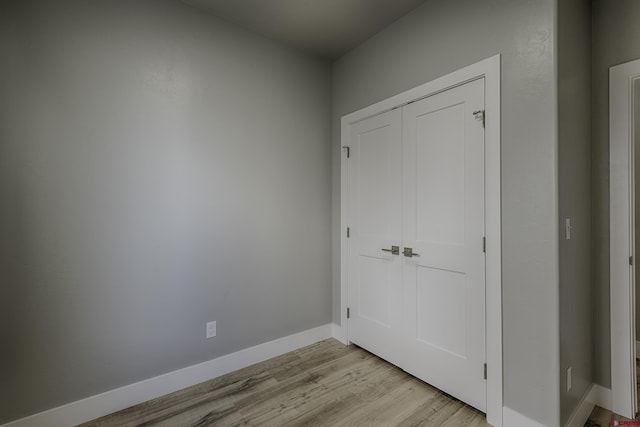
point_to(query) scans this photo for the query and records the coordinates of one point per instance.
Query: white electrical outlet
(569, 378)
(211, 329)
(567, 228)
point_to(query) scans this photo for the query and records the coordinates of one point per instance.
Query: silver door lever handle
(408, 252)
(395, 250)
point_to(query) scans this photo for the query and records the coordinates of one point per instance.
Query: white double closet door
(416, 263)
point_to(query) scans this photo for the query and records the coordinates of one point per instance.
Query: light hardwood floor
(325, 384)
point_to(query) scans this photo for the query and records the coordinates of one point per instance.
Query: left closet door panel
(375, 218)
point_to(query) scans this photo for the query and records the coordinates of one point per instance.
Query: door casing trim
(489, 69)
(622, 237)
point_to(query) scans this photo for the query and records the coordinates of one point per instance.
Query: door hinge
(485, 371)
(479, 115)
(347, 149)
(484, 244)
(348, 312)
(348, 232)
(631, 260)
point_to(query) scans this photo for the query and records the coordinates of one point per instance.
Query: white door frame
(489, 69)
(622, 237)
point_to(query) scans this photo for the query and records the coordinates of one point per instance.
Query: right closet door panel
(443, 268)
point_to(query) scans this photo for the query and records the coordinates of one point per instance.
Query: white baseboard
(511, 418)
(595, 395)
(115, 400)
(600, 396)
(340, 333)
(581, 414)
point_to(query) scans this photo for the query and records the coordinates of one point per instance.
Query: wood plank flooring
(325, 384)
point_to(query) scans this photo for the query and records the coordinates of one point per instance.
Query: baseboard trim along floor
(600, 396)
(596, 395)
(115, 400)
(121, 398)
(581, 414)
(511, 418)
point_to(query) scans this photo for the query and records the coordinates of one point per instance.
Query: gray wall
(158, 169)
(616, 39)
(574, 200)
(440, 37)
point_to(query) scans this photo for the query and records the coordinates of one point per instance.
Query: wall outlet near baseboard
(569, 378)
(211, 329)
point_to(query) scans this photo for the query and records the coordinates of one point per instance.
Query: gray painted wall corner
(157, 165)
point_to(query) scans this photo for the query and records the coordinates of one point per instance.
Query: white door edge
(622, 232)
(490, 70)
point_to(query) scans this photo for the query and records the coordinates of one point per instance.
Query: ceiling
(328, 28)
